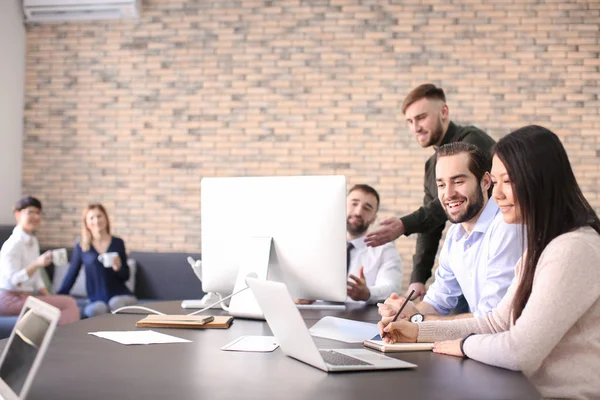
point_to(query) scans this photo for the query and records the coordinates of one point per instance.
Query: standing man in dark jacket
(427, 115)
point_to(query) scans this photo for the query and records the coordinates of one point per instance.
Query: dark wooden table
(81, 366)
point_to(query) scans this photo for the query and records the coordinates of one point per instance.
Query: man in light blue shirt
(480, 252)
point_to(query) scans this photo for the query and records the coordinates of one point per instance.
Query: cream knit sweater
(556, 340)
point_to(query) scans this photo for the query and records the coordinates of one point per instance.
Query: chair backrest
(166, 276)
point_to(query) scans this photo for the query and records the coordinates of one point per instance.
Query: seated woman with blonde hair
(105, 275)
(548, 323)
(20, 264)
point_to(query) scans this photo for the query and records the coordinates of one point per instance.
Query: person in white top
(20, 261)
(374, 273)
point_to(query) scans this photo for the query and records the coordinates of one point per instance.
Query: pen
(400, 310)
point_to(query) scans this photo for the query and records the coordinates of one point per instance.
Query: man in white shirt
(20, 262)
(374, 273)
(480, 252)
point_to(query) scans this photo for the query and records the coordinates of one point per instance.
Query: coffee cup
(59, 257)
(108, 259)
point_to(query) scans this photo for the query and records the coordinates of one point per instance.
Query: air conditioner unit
(80, 10)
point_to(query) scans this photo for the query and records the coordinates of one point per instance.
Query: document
(344, 330)
(252, 343)
(138, 337)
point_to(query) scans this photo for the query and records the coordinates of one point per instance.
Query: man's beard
(472, 210)
(435, 134)
(357, 230)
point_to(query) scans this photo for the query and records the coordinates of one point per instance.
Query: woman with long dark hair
(548, 323)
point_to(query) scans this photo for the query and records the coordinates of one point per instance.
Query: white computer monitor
(304, 215)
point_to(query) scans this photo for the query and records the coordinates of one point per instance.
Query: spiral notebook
(379, 345)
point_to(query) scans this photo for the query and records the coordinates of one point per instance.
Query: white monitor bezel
(314, 205)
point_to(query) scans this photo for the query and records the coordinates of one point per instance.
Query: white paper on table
(344, 330)
(138, 337)
(252, 343)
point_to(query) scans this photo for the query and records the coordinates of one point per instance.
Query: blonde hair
(86, 235)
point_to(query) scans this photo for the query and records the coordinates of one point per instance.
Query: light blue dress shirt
(480, 266)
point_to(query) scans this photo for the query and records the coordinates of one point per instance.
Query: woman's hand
(449, 347)
(400, 331)
(116, 264)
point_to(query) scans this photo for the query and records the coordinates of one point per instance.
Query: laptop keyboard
(335, 358)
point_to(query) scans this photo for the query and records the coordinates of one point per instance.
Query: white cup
(108, 259)
(59, 257)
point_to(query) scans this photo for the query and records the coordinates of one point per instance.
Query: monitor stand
(209, 298)
(244, 304)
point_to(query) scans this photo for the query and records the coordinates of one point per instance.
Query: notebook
(185, 321)
(26, 348)
(380, 345)
(291, 333)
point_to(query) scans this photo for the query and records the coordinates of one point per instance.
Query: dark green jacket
(430, 219)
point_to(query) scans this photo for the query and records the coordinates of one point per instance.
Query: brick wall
(134, 114)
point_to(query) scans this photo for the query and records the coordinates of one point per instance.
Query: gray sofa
(156, 277)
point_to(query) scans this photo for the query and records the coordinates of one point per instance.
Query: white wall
(12, 89)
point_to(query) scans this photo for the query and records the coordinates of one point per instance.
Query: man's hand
(392, 304)
(398, 332)
(303, 301)
(391, 229)
(419, 289)
(44, 260)
(449, 347)
(358, 289)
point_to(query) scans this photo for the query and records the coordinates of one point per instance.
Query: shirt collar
(359, 242)
(450, 134)
(24, 236)
(483, 222)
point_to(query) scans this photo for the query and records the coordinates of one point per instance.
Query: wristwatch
(418, 317)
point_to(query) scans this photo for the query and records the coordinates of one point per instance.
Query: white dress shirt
(479, 265)
(382, 268)
(18, 252)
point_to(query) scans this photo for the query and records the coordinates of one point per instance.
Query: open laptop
(26, 348)
(289, 329)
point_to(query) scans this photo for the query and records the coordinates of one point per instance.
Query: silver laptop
(26, 348)
(289, 329)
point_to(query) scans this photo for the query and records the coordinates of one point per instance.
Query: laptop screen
(30, 331)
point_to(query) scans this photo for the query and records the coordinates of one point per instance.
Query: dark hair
(424, 91)
(546, 193)
(367, 189)
(480, 161)
(25, 202)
